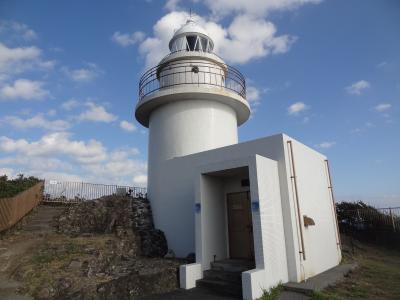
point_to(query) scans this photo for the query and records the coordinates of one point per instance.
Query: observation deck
(203, 75)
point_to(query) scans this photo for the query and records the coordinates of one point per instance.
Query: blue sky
(324, 72)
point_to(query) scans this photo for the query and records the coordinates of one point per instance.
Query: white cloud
(127, 126)
(140, 180)
(127, 39)
(258, 8)
(38, 121)
(58, 156)
(86, 74)
(17, 60)
(253, 95)
(172, 5)
(382, 107)
(24, 89)
(326, 145)
(382, 64)
(9, 172)
(18, 29)
(57, 143)
(297, 108)
(70, 104)
(246, 38)
(358, 87)
(52, 112)
(96, 113)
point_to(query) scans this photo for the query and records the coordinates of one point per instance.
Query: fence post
(392, 218)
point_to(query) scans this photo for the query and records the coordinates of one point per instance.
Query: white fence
(71, 192)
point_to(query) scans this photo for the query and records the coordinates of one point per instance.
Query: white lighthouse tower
(266, 204)
(191, 102)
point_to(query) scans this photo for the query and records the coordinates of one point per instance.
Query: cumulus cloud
(358, 87)
(70, 104)
(90, 72)
(24, 89)
(172, 5)
(253, 95)
(383, 107)
(127, 126)
(96, 113)
(140, 180)
(58, 156)
(17, 60)
(258, 8)
(18, 30)
(57, 143)
(326, 145)
(297, 108)
(246, 38)
(127, 39)
(37, 121)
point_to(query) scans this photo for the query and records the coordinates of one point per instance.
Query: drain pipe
(330, 187)
(294, 181)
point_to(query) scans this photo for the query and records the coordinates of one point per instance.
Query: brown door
(240, 226)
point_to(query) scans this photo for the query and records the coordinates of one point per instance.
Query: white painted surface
(188, 274)
(321, 247)
(193, 130)
(251, 282)
(211, 226)
(174, 197)
(190, 126)
(269, 236)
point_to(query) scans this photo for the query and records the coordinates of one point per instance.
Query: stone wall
(130, 218)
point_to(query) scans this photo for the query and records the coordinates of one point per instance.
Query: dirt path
(15, 245)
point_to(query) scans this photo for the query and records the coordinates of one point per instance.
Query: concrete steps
(225, 277)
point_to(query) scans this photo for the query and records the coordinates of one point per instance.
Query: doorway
(240, 226)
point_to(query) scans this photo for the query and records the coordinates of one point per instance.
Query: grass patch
(318, 296)
(273, 293)
(378, 276)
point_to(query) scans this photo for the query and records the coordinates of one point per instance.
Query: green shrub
(273, 293)
(11, 187)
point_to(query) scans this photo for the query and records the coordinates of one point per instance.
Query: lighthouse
(192, 101)
(262, 209)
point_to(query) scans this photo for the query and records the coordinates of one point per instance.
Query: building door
(240, 226)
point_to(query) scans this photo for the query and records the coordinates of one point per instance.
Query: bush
(273, 293)
(11, 187)
(366, 223)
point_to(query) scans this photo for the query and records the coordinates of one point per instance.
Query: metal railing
(195, 73)
(378, 218)
(74, 192)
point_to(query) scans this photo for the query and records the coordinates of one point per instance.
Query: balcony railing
(193, 73)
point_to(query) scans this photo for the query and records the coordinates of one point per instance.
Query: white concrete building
(267, 202)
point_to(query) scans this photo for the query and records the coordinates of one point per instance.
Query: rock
(191, 258)
(170, 254)
(44, 293)
(154, 243)
(75, 265)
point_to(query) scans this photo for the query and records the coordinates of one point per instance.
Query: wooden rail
(13, 209)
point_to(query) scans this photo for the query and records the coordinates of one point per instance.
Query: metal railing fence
(73, 192)
(196, 73)
(364, 218)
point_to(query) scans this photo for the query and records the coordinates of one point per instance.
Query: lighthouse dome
(191, 37)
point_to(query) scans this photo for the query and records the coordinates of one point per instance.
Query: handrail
(171, 74)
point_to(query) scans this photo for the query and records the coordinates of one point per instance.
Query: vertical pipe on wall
(294, 180)
(330, 187)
